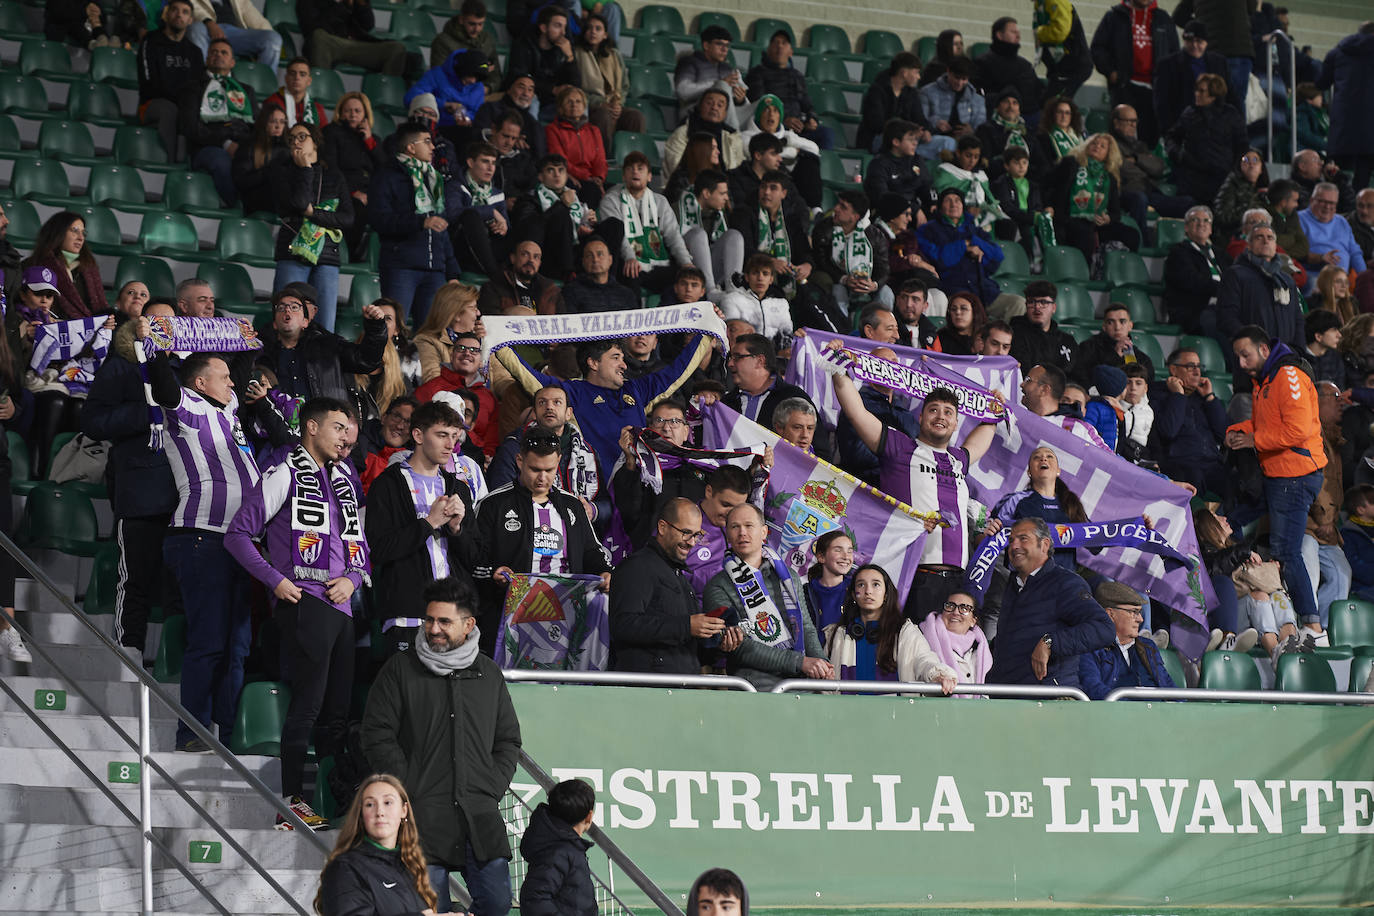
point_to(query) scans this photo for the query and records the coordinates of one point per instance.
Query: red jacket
(582, 146)
(483, 432)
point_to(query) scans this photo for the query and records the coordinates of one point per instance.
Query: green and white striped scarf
(429, 184)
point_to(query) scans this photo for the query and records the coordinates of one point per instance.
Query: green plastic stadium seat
(626, 142)
(94, 103)
(764, 29)
(114, 67)
(925, 48)
(257, 77)
(232, 285)
(1064, 263)
(1222, 387)
(724, 20)
(1228, 671)
(1352, 622)
(978, 49)
(872, 67)
(365, 290)
(1168, 233)
(827, 39)
(1137, 302)
(58, 517)
(829, 99)
(656, 50)
(13, 25)
(825, 69)
(66, 141)
(652, 83)
(19, 464)
(326, 87)
(881, 45)
(100, 587)
(262, 712)
(168, 233)
(348, 325)
(386, 93)
(1174, 666)
(1149, 345)
(102, 229)
(118, 186)
(1126, 267)
(247, 240)
(1360, 667)
(24, 222)
(45, 58)
(40, 179)
(194, 193)
(24, 94)
(281, 12)
(656, 19)
(171, 650)
(140, 146)
(653, 120)
(410, 24)
(11, 147)
(1304, 673)
(1074, 305)
(1207, 349)
(1096, 121)
(153, 272)
(1015, 261)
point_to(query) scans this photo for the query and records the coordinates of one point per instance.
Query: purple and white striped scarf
(311, 516)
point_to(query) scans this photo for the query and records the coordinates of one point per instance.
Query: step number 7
(202, 851)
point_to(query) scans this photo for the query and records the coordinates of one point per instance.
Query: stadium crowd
(322, 490)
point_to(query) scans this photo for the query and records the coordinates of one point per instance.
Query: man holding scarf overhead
(767, 600)
(306, 512)
(216, 113)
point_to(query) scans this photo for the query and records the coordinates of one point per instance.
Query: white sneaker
(1161, 638)
(1246, 639)
(12, 646)
(1219, 639)
(1319, 637)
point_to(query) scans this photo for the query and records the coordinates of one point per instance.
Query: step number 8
(50, 699)
(123, 772)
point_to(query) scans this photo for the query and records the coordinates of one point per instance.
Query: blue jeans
(1333, 578)
(217, 163)
(263, 44)
(822, 136)
(487, 882)
(1238, 74)
(325, 279)
(1289, 500)
(218, 628)
(414, 289)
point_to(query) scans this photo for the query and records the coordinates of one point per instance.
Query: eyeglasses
(669, 422)
(736, 357)
(1250, 160)
(289, 307)
(1324, 201)
(959, 610)
(1130, 611)
(1040, 301)
(691, 536)
(464, 348)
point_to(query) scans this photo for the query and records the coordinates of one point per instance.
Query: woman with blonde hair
(454, 311)
(377, 866)
(1085, 191)
(1333, 289)
(351, 147)
(387, 382)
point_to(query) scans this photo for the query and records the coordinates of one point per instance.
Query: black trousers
(317, 661)
(931, 587)
(477, 249)
(144, 579)
(53, 412)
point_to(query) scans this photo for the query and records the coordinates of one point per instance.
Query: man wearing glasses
(1329, 239)
(1258, 290)
(464, 373)
(655, 615)
(757, 390)
(1037, 340)
(1133, 660)
(1190, 424)
(309, 361)
(1192, 272)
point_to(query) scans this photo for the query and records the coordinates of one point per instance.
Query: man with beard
(579, 472)
(521, 283)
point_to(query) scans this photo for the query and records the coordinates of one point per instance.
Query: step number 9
(123, 772)
(50, 699)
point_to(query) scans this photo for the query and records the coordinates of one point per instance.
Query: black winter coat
(558, 880)
(1055, 602)
(368, 881)
(1205, 144)
(1031, 346)
(787, 83)
(1247, 297)
(200, 134)
(399, 543)
(406, 243)
(889, 174)
(651, 603)
(1005, 192)
(879, 106)
(254, 183)
(1188, 429)
(346, 20)
(746, 220)
(582, 295)
(1349, 68)
(638, 505)
(326, 358)
(165, 66)
(1112, 44)
(1188, 285)
(1002, 66)
(296, 188)
(1228, 24)
(1174, 81)
(453, 742)
(825, 261)
(345, 150)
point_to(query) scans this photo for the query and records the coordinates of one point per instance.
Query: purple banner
(200, 335)
(555, 623)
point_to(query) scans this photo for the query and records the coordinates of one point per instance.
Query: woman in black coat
(312, 196)
(377, 867)
(255, 162)
(352, 148)
(1207, 141)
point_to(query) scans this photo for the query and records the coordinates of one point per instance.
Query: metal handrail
(1292, 95)
(147, 686)
(627, 679)
(613, 851)
(992, 691)
(1277, 697)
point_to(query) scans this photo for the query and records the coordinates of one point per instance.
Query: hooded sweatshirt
(446, 83)
(559, 880)
(792, 143)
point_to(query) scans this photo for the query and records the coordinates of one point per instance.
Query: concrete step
(38, 846)
(92, 662)
(80, 806)
(121, 888)
(58, 626)
(84, 733)
(116, 698)
(50, 768)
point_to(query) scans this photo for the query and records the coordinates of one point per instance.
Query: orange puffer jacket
(1288, 433)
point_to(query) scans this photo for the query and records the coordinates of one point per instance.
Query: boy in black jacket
(559, 880)
(1020, 198)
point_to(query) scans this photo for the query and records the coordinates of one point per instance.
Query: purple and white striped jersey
(550, 553)
(930, 480)
(210, 460)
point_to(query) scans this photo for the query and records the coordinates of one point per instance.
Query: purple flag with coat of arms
(556, 623)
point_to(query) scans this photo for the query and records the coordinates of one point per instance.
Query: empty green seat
(828, 39)
(66, 141)
(194, 193)
(1096, 121)
(978, 49)
(825, 69)
(13, 25)
(1228, 671)
(155, 273)
(11, 147)
(23, 93)
(281, 12)
(40, 179)
(58, 517)
(1015, 261)
(386, 93)
(171, 650)
(724, 20)
(626, 142)
(410, 25)
(1352, 622)
(925, 48)
(882, 45)
(765, 28)
(1208, 350)
(1168, 233)
(261, 714)
(257, 77)
(168, 233)
(656, 19)
(365, 290)
(1360, 667)
(1137, 302)
(1064, 263)
(102, 229)
(1148, 344)
(872, 67)
(1126, 267)
(1304, 673)
(1174, 666)
(44, 58)
(114, 67)
(94, 103)
(118, 186)
(247, 240)
(232, 285)
(656, 50)
(326, 86)
(828, 99)
(19, 464)
(1073, 305)
(652, 83)
(140, 146)
(101, 586)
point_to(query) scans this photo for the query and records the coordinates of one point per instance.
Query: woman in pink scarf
(955, 636)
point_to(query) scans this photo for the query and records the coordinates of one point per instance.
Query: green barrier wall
(858, 802)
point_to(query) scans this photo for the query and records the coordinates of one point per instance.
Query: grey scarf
(445, 663)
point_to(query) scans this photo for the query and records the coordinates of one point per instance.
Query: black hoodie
(559, 880)
(369, 879)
